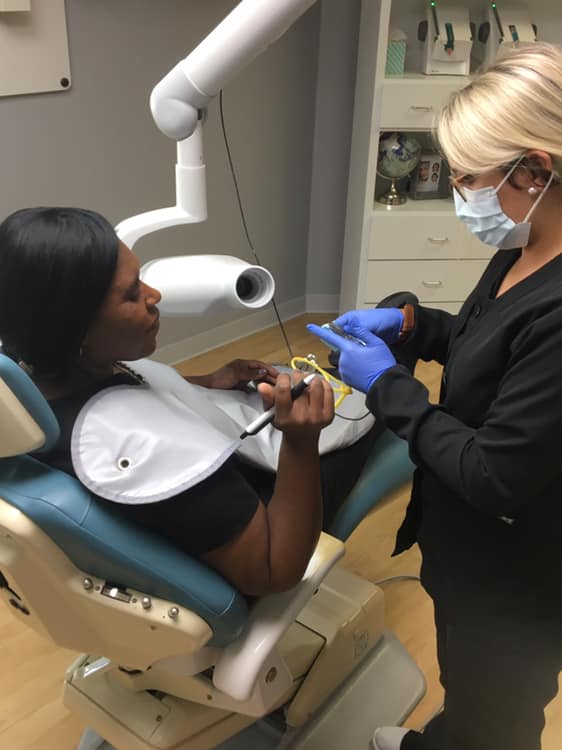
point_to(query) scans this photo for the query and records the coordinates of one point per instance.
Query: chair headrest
(28, 423)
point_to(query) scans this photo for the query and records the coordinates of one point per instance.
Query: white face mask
(484, 216)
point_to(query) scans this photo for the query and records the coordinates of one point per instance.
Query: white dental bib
(144, 443)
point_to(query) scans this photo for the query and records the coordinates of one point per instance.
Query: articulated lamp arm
(176, 103)
(244, 34)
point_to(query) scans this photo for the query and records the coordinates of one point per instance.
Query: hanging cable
(243, 217)
(353, 419)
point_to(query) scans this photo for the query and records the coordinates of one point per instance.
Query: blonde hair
(515, 106)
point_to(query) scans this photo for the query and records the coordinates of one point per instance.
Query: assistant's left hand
(238, 373)
(359, 366)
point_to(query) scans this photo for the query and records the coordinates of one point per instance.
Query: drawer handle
(421, 108)
(438, 240)
(432, 284)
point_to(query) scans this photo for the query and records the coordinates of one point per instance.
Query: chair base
(382, 691)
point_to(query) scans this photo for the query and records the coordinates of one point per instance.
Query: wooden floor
(32, 716)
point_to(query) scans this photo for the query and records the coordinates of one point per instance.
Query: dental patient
(72, 311)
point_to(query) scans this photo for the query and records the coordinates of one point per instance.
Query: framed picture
(430, 178)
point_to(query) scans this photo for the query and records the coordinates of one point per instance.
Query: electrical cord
(353, 419)
(243, 217)
(283, 331)
(251, 244)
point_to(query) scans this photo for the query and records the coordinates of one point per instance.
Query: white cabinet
(411, 103)
(425, 235)
(429, 280)
(420, 246)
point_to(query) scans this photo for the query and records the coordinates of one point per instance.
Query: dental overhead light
(207, 284)
(177, 103)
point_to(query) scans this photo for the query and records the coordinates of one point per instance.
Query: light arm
(249, 29)
(191, 195)
(177, 100)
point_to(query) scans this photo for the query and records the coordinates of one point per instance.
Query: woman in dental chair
(72, 307)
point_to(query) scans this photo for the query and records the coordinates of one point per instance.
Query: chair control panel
(115, 592)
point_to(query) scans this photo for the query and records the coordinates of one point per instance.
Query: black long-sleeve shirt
(487, 494)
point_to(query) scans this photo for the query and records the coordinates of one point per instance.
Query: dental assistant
(486, 504)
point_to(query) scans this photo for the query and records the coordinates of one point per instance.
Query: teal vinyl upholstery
(388, 467)
(106, 546)
(103, 545)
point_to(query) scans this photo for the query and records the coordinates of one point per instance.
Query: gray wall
(96, 145)
(339, 35)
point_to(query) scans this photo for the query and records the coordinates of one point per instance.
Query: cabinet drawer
(431, 280)
(413, 103)
(422, 236)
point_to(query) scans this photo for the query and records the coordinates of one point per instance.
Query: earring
(533, 190)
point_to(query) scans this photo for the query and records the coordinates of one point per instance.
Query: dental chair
(175, 657)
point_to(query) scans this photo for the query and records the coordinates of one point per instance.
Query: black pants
(499, 672)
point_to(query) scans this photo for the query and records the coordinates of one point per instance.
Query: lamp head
(197, 285)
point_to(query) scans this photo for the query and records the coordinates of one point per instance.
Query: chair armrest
(240, 663)
(387, 468)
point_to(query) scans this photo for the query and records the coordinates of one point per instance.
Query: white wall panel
(33, 47)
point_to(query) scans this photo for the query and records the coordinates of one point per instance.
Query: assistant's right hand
(384, 322)
(306, 415)
(359, 365)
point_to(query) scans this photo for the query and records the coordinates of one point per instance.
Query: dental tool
(340, 332)
(267, 417)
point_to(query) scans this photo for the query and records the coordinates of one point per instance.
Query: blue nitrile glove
(384, 322)
(359, 366)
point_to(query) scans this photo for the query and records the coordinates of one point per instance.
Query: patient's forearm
(294, 512)
(236, 374)
(272, 552)
(203, 380)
